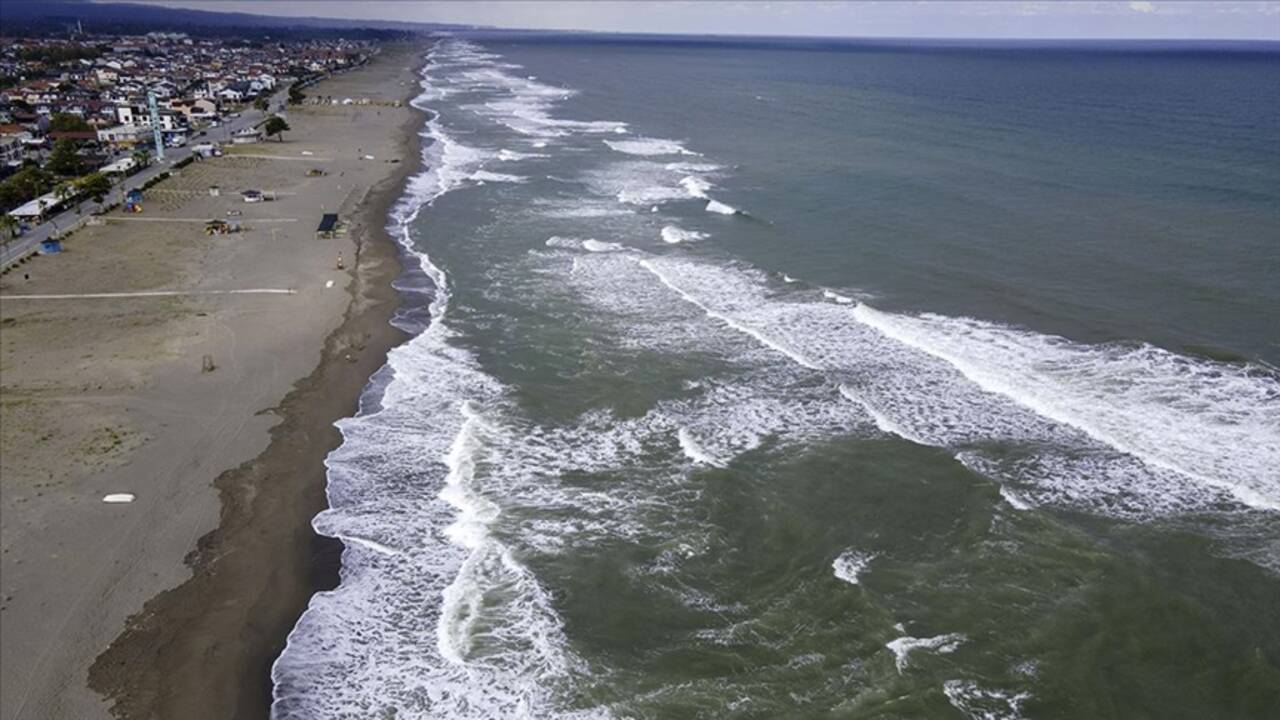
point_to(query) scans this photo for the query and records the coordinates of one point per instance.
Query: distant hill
(43, 16)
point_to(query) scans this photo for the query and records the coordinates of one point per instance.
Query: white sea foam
(694, 451)
(599, 246)
(649, 146)
(565, 243)
(728, 319)
(417, 566)
(695, 186)
(684, 167)
(903, 647)
(1174, 413)
(582, 208)
(922, 398)
(512, 155)
(833, 295)
(483, 176)
(1016, 501)
(675, 235)
(715, 206)
(979, 703)
(850, 564)
(438, 609)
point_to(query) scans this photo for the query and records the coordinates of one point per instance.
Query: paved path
(20, 247)
(155, 293)
(240, 218)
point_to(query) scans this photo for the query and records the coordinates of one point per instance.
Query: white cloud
(1142, 6)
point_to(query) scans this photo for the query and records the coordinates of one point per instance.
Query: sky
(1130, 19)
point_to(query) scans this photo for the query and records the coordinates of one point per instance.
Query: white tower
(155, 124)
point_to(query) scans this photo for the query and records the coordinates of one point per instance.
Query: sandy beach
(175, 604)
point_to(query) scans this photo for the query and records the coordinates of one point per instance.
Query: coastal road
(20, 247)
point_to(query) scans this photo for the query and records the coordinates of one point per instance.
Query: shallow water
(824, 382)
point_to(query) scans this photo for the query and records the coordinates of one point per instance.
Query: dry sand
(108, 395)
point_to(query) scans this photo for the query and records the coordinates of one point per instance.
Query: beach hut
(328, 225)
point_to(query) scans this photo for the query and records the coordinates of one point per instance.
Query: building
(124, 135)
(247, 135)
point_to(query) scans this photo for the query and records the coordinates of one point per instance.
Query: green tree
(64, 192)
(95, 185)
(68, 122)
(142, 156)
(262, 104)
(23, 185)
(64, 160)
(9, 224)
(275, 125)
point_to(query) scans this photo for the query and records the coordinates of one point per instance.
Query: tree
(62, 122)
(262, 104)
(9, 224)
(142, 156)
(64, 160)
(23, 185)
(64, 192)
(94, 185)
(276, 125)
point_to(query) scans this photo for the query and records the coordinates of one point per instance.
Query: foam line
(1035, 394)
(765, 339)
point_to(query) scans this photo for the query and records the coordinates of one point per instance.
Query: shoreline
(205, 648)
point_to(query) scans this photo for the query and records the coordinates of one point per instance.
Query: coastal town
(82, 113)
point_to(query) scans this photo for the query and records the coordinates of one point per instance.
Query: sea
(819, 379)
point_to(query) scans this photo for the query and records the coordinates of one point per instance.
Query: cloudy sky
(902, 18)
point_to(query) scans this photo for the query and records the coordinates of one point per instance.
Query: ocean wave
(1129, 432)
(851, 564)
(674, 235)
(715, 206)
(979, 703)
(417, 528)
(1173, 412)
(903, 647)
(649, 146)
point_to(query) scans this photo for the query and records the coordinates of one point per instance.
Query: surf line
(882, 323)
(740, 327)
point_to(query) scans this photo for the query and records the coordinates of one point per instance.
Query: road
(20, 247)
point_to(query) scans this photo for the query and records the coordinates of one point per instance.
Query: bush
(155, 180)
(184, 162)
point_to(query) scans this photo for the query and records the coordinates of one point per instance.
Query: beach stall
(207, 150)
(119, 167)
(244, 136)
(35, 210)
(50, 246)
(133, 201)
